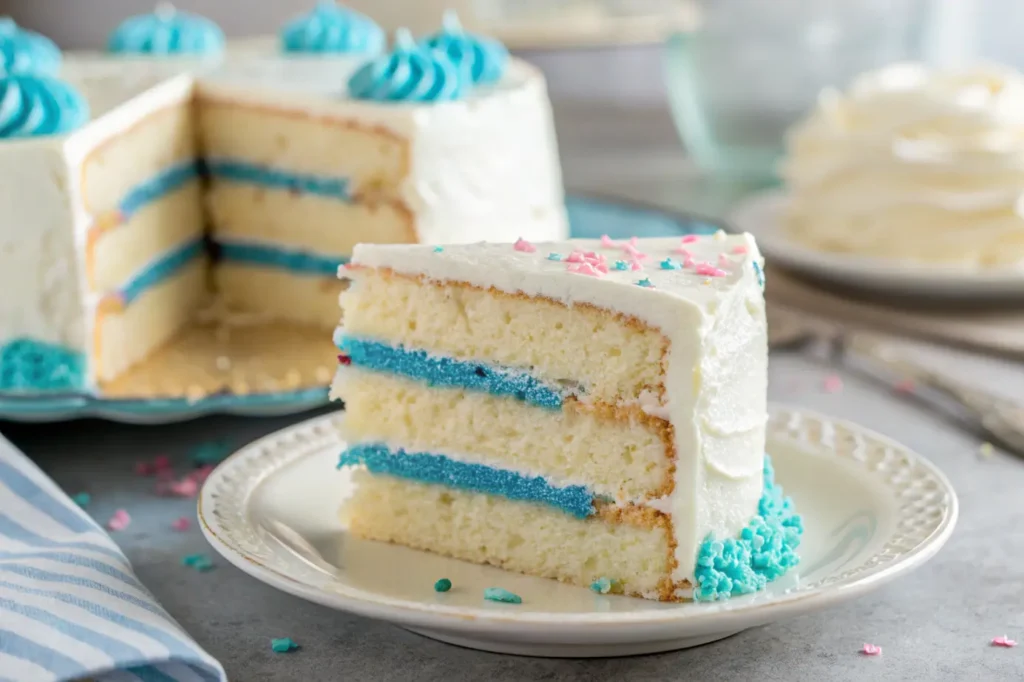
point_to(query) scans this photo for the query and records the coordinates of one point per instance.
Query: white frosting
(484, 167)
(716, 374)
(913, 164)
(488, 162)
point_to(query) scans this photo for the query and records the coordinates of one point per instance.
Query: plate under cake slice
(589, 411)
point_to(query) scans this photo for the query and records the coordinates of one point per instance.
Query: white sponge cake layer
(244, 211)
(125, 335)
(516, 536)
(278, 294)
(614, 358)
(623, 456)
(111, 170)
(115, 254)
(687, 342)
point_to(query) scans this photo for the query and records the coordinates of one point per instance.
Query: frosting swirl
(409, 73)
(330, 28)
(485, 58)
(913, 164)
(166, 31)
(31, 106)
(23, 51)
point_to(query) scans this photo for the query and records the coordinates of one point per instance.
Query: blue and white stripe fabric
(70, 606)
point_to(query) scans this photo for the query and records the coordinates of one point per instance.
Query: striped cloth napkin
(70, 606)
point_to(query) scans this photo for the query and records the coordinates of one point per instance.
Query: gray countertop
(934, 624)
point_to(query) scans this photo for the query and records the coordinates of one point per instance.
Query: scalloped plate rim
(732, 615)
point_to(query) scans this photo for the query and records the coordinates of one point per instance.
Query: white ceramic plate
(873, 510)
(760, 215)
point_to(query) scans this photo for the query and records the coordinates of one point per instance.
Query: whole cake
(177, 167)
(913, 164)
(589, 411)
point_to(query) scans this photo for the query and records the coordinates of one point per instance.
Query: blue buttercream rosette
(409, 73)
(484, 58)
(23, 51)
(31, 106)
(166, 31)
(330, 29)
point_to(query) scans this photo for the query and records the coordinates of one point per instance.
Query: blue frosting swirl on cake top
(166, 31)
(330, 29)
(23, 51)
(39, 105)
(484, 58)
(409, 73)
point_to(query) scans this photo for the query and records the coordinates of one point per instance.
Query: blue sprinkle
(200, 562)
(284, 645)
(81, 499)
(502, 595)
(621, 265)
(669, 264)
(438, 249)
(759, 272)
(554, 256)
(451, 373)
(764, 550)
(601, 586)
(646, 283)
(211, 452)
(442, 585)
(426, 467)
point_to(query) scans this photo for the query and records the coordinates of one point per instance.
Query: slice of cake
(588, 411)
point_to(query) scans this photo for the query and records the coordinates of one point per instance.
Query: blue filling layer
(241, 171)
(161, 269)
(30, 364)
(430, 468)
(278, 257)
(160, 185)
(437, 370)
(764, 550)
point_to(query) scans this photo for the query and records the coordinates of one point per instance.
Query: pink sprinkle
(591, 255)
(524, 246)
(1004, 641)
(636, 265)
(905, 386)
(739, 249)
(575, 256)
(181, 524)
(690, 238)
(688, 262)
(162, 462)
(119, 521)
(832, 384)
(723, 260)
(585, 269)
(871, 650)
(684, 251)
(144, 469)
(709, 270)
(607, 242)
(186, 487)
(165, 475)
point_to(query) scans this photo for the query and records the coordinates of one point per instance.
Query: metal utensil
(998, 418)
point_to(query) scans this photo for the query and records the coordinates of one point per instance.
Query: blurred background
(731, 75)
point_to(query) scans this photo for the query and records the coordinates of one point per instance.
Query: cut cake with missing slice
(583, 410)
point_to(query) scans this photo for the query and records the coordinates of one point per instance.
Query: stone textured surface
(934, 624)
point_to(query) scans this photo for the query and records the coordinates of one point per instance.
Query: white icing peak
(908, 155)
